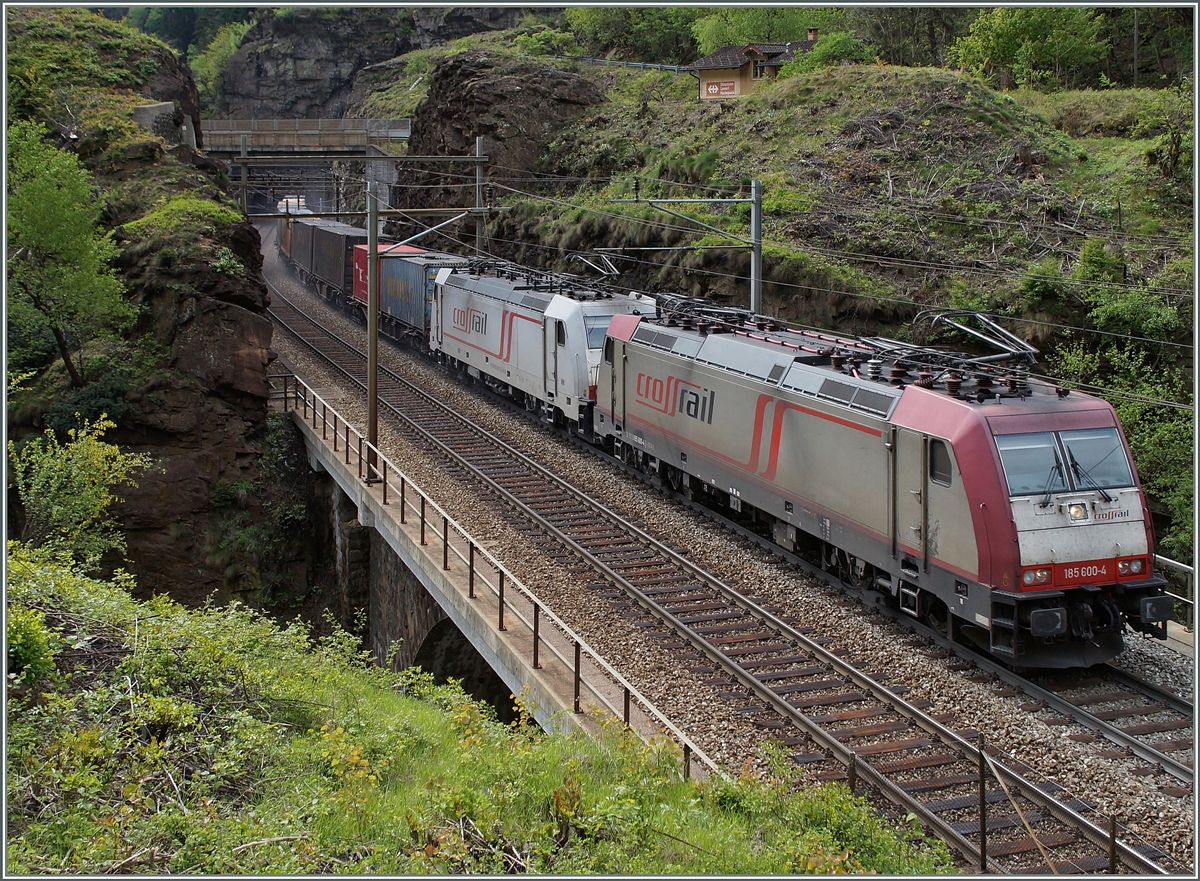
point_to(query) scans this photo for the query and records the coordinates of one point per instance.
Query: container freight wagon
(406, 279)
(284, 239)
(333, 259)
(300, 244)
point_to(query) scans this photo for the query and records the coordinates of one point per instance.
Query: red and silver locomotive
(994, 508)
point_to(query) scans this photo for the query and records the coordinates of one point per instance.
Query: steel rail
(1106, 729)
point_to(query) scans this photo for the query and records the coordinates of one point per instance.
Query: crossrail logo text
(674, 396)
(469, 320)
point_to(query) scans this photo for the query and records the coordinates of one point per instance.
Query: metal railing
(513, 599)
(1186, 575)
(637, 65)
(379, 128)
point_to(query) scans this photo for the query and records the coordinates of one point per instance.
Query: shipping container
(284, 237)
(333, 258)
(406, 276)
(302, 245)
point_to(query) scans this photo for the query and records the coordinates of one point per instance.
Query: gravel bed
(866, 636)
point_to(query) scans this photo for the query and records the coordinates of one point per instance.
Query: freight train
(998, 509)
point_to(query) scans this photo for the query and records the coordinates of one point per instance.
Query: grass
(147, 737)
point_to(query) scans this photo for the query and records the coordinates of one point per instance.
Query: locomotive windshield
(597, 327)
(1055, 461)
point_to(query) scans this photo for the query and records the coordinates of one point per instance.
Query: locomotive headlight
(1133, 566)
(1030, 577)
(1078, 511)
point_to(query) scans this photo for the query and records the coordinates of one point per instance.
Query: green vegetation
(67, 489)
(282, 514)
(59, 280)
(738, 25)
(76, 72)
(208, 65)
(188, 29)
(830, 49)
(181, 217)
(151, 738)
(1025, 45)
(658, 35)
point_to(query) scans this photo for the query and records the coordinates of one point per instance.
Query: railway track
(1141, 718)
(841, 721)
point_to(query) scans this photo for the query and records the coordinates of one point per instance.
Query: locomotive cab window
(608, 351)
(1049, 462)
(939, 462)
(560, 333)
(597, 329)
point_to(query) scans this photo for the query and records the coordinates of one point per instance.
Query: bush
(215, 742)
(828, 51)
(31, 647)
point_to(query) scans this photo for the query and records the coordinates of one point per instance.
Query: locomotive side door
(911, 500)
(552, 332)
(615, 350)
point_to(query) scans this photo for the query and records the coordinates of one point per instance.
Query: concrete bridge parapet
(533, 651)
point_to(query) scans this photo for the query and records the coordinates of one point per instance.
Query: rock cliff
(302, 64)
(515, 103)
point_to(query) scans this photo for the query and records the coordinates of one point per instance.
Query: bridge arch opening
(447, 654)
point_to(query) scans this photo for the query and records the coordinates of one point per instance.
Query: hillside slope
(886, 190)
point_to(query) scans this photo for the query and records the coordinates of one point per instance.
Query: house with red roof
(734, 71)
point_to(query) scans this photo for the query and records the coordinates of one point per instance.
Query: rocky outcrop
(302, 64)
(515, 103)
(173, 82)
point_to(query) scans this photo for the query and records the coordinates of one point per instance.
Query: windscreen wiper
(1085, 477)
(1055, 468)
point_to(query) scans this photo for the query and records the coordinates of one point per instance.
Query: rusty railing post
(982, 808)
(384, 478)
(403, 504)
(687, 761)
(577, 660)
(346, 445)
(626, 706)
(500, 613)
(335, 425)
(422, 518)
(852, 773)
(324, 422)
(445, 543)
(471, 570)
(1112, 845)
(536, 618)
(360, 459)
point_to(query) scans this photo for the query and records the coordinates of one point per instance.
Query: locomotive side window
(608, 351)
(939, 462)
(1031, 463)
(561, 333)
(1096, 457)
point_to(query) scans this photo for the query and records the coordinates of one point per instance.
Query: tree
(1032, 46)
(66, 490)
(187, 29)
(830, 50)
(910, 35)
(737, 26)
(208, 65)
(649, 34)
(58, 274)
